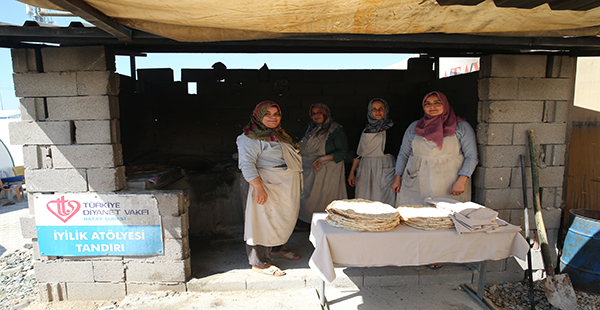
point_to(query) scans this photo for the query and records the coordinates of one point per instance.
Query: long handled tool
(559, 290)
(526, 219)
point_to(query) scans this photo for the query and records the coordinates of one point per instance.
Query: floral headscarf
(377, 125)
(435, 128)
(257, 130)
(315, 132)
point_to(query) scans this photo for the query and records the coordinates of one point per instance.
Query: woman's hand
(351, 179)
(260, 195)
(397, 183)
(320, 161)
(459, 186)
(351, 176)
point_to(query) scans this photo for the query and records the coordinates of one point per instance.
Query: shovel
(559, 290)
(526, 220)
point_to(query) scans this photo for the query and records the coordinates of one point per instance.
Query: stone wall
(71, 137)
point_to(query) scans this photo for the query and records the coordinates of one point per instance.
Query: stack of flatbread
(425, 217)
(362, 215)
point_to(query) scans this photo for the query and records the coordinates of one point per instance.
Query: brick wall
(71, 142)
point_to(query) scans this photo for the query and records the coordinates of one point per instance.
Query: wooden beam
(95, 17)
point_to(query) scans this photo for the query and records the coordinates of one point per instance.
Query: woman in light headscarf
(437, 157)
(372, 170)
(324, 147)
(270, 161)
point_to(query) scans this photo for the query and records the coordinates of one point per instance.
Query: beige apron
(272, 224)
(431, 172)
(320, 187)
(375, 172)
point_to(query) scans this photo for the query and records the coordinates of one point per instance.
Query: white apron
(320, 187)
(431, 172)
(272, 224)
(375, 172)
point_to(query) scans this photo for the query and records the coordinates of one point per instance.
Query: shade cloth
(405, 246)
(208, 20)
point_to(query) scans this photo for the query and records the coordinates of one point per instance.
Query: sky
(15, 12)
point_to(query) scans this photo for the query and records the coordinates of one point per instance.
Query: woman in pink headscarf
(437, 157)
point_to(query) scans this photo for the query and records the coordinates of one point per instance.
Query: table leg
(478, 296)
(482, 270)
(322, 297)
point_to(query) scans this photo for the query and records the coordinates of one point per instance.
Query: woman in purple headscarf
(437, 157)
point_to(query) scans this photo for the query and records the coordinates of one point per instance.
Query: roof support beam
(95, 17)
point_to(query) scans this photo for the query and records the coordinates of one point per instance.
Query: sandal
(435, 266)
(285, 254)
(270, 271)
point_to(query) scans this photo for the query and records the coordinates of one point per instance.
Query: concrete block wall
(71, 143)
(518, 93)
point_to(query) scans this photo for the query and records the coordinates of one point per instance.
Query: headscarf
(435, 128)
(377, 125)
(257, 130)
(317, 133)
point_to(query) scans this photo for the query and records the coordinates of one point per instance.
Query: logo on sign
(62, 208)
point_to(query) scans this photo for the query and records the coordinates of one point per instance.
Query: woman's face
(273, 118)
(317, 115)
(378, 110)
(433, 106)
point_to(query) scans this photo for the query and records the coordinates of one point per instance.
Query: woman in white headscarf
(324, 147)
(372, 170)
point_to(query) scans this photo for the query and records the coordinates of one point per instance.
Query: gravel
(18, 289)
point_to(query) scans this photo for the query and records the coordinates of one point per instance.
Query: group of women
(289, 182)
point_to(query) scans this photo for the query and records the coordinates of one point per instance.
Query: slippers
(435, 266)
(270, 271)
(286, 254)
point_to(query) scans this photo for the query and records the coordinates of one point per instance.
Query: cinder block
(33, 109)
(555, 154)
(28, 227)
(45, 84)
(551, 218)
(550, 176)
(511, 111)
(453, 274)
(492, 177)
(97, 83)
(24, 60)
(546, 89)
(40, 132)
(97, 132)
(56, 180)
(543, 133)
(513, 66)
(81, 58)
(95, 291)
(106, 179)
(551, 197)
(494, 134)
(499, 199)
(133, 288)
(497, 156)
(53, 291)
(175, 249)
(83, 108)
(557, 111)
(159, 271)
(175, 227)
(87, 156)
(171, 203)
(562, 66)
(498, 88)
(31, 157)
(109, 271)
(63, 271)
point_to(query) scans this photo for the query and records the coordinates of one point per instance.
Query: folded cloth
(467, 215)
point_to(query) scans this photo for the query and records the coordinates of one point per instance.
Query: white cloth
(320, 187)
(375, 172)
(431, 172)
(272, 224)
(405, 246)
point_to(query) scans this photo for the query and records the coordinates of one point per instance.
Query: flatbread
(425, 217)
(362, 215)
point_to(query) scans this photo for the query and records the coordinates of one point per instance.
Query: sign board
(89, 224)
